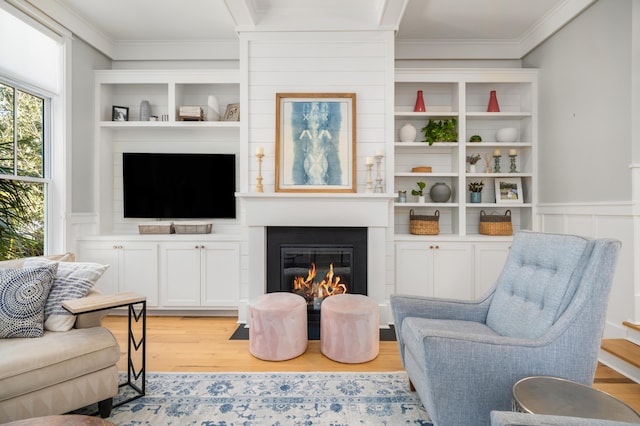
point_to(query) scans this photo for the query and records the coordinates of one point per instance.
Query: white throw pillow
(23, 294)
(72, 281)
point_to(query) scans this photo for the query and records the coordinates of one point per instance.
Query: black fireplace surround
(291, 251)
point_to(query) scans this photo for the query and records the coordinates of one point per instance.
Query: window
(23, 171)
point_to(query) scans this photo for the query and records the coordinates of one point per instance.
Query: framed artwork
(232, 113)
(509, 191)
(119, 113)
(315, 142)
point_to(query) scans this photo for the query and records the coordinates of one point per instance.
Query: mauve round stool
(350, 328)
(278, 326)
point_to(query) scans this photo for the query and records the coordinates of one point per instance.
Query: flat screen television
(179, 186)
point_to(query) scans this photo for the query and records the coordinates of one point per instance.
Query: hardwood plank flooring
(201, 344)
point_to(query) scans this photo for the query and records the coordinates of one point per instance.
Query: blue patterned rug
(226, 399)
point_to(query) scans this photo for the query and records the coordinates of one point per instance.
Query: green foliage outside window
(22, 207)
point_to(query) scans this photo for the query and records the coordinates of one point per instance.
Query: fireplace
(316, 262)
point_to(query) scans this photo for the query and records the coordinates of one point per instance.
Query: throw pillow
(23, 294)
(72, 281)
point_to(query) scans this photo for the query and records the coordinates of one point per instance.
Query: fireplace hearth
(316, 262)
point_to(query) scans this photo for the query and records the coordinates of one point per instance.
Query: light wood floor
(201, 344)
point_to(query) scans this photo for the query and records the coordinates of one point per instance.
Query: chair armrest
(506, 418)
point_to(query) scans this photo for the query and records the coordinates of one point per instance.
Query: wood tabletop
(102, 301)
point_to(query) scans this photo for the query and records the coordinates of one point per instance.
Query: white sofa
(60, 371)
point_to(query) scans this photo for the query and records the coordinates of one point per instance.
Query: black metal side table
(560, 397)
(137, 312)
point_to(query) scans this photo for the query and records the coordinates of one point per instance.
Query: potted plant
(419, 192)
(441, 131)
(475, 138)
(472, 160)
(476, 191)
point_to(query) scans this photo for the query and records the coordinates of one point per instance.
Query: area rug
(226, 399)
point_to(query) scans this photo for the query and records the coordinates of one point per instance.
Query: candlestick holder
(378, 187)
(496, 164)
(512, 163)
(259, 187)
(369, 187)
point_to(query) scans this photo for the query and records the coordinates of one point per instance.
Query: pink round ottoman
(350, 328)
(278, 326)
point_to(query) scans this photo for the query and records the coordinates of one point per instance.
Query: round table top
(560, 397)
(62, 420)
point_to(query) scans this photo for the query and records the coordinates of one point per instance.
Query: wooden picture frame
(119, 113)
(315, 142)
(509, 191)
(232, 113)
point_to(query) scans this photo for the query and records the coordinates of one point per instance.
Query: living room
(586, 68)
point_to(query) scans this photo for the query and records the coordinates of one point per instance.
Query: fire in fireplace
(317, 262)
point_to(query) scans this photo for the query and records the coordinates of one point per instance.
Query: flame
(330, 286)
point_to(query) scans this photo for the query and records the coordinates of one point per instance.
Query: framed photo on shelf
(315, 142)
(232, 113)
(509, 191)
(119, 113)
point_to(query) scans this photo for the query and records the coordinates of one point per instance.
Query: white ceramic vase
(213, 109)
(421, 199)
(407, 133)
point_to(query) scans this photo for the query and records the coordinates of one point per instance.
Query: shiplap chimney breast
(359, 62)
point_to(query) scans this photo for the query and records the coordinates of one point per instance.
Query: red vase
(419, 103)
(493, 102)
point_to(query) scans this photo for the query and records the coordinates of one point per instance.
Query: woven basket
(424, 224)
(496, 224)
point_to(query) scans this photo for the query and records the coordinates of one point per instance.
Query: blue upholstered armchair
(544, 317)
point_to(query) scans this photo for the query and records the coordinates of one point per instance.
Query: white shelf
(165, 124)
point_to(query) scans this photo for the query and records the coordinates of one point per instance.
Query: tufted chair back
(538, 282)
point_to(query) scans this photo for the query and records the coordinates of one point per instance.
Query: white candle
(379, 152)
(260, 150)
(512, 152)
(496, 153)
(369, 160)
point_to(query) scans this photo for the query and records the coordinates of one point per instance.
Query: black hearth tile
(386, 334)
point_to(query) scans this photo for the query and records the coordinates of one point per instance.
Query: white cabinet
(463, 95)
(199, 274)
(489, 259)
(434, 269)
(448, 269)
(133, 266)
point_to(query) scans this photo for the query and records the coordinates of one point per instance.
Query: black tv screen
(177, 186)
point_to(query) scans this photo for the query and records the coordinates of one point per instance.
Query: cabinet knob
(437, 247)
(430, 247)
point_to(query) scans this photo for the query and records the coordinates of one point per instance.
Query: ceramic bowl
(507, 134)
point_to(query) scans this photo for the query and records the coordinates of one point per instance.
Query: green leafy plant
(441, 131)
(475, 138)
(419, 192)
(476, 186)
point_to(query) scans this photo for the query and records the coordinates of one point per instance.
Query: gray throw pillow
(23, 294)
(72, 281)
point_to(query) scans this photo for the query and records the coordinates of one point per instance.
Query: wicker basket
(156, 228)
(424, 224)
(496, 224)
(193, 227)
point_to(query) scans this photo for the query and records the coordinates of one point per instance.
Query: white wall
(585, 139)
(84, 61)
(584, 122)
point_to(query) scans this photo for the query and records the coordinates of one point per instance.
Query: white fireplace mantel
(370, 210)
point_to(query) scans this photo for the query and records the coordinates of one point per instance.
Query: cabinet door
(220, 271)
(453, 270)
(138, 269)
(104, 253)
(180, 274)
(490, 259)
(414, 269)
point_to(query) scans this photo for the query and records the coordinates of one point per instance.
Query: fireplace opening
(316, 262)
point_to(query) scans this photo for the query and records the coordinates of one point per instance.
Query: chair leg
(104, 407)
(411, 387)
